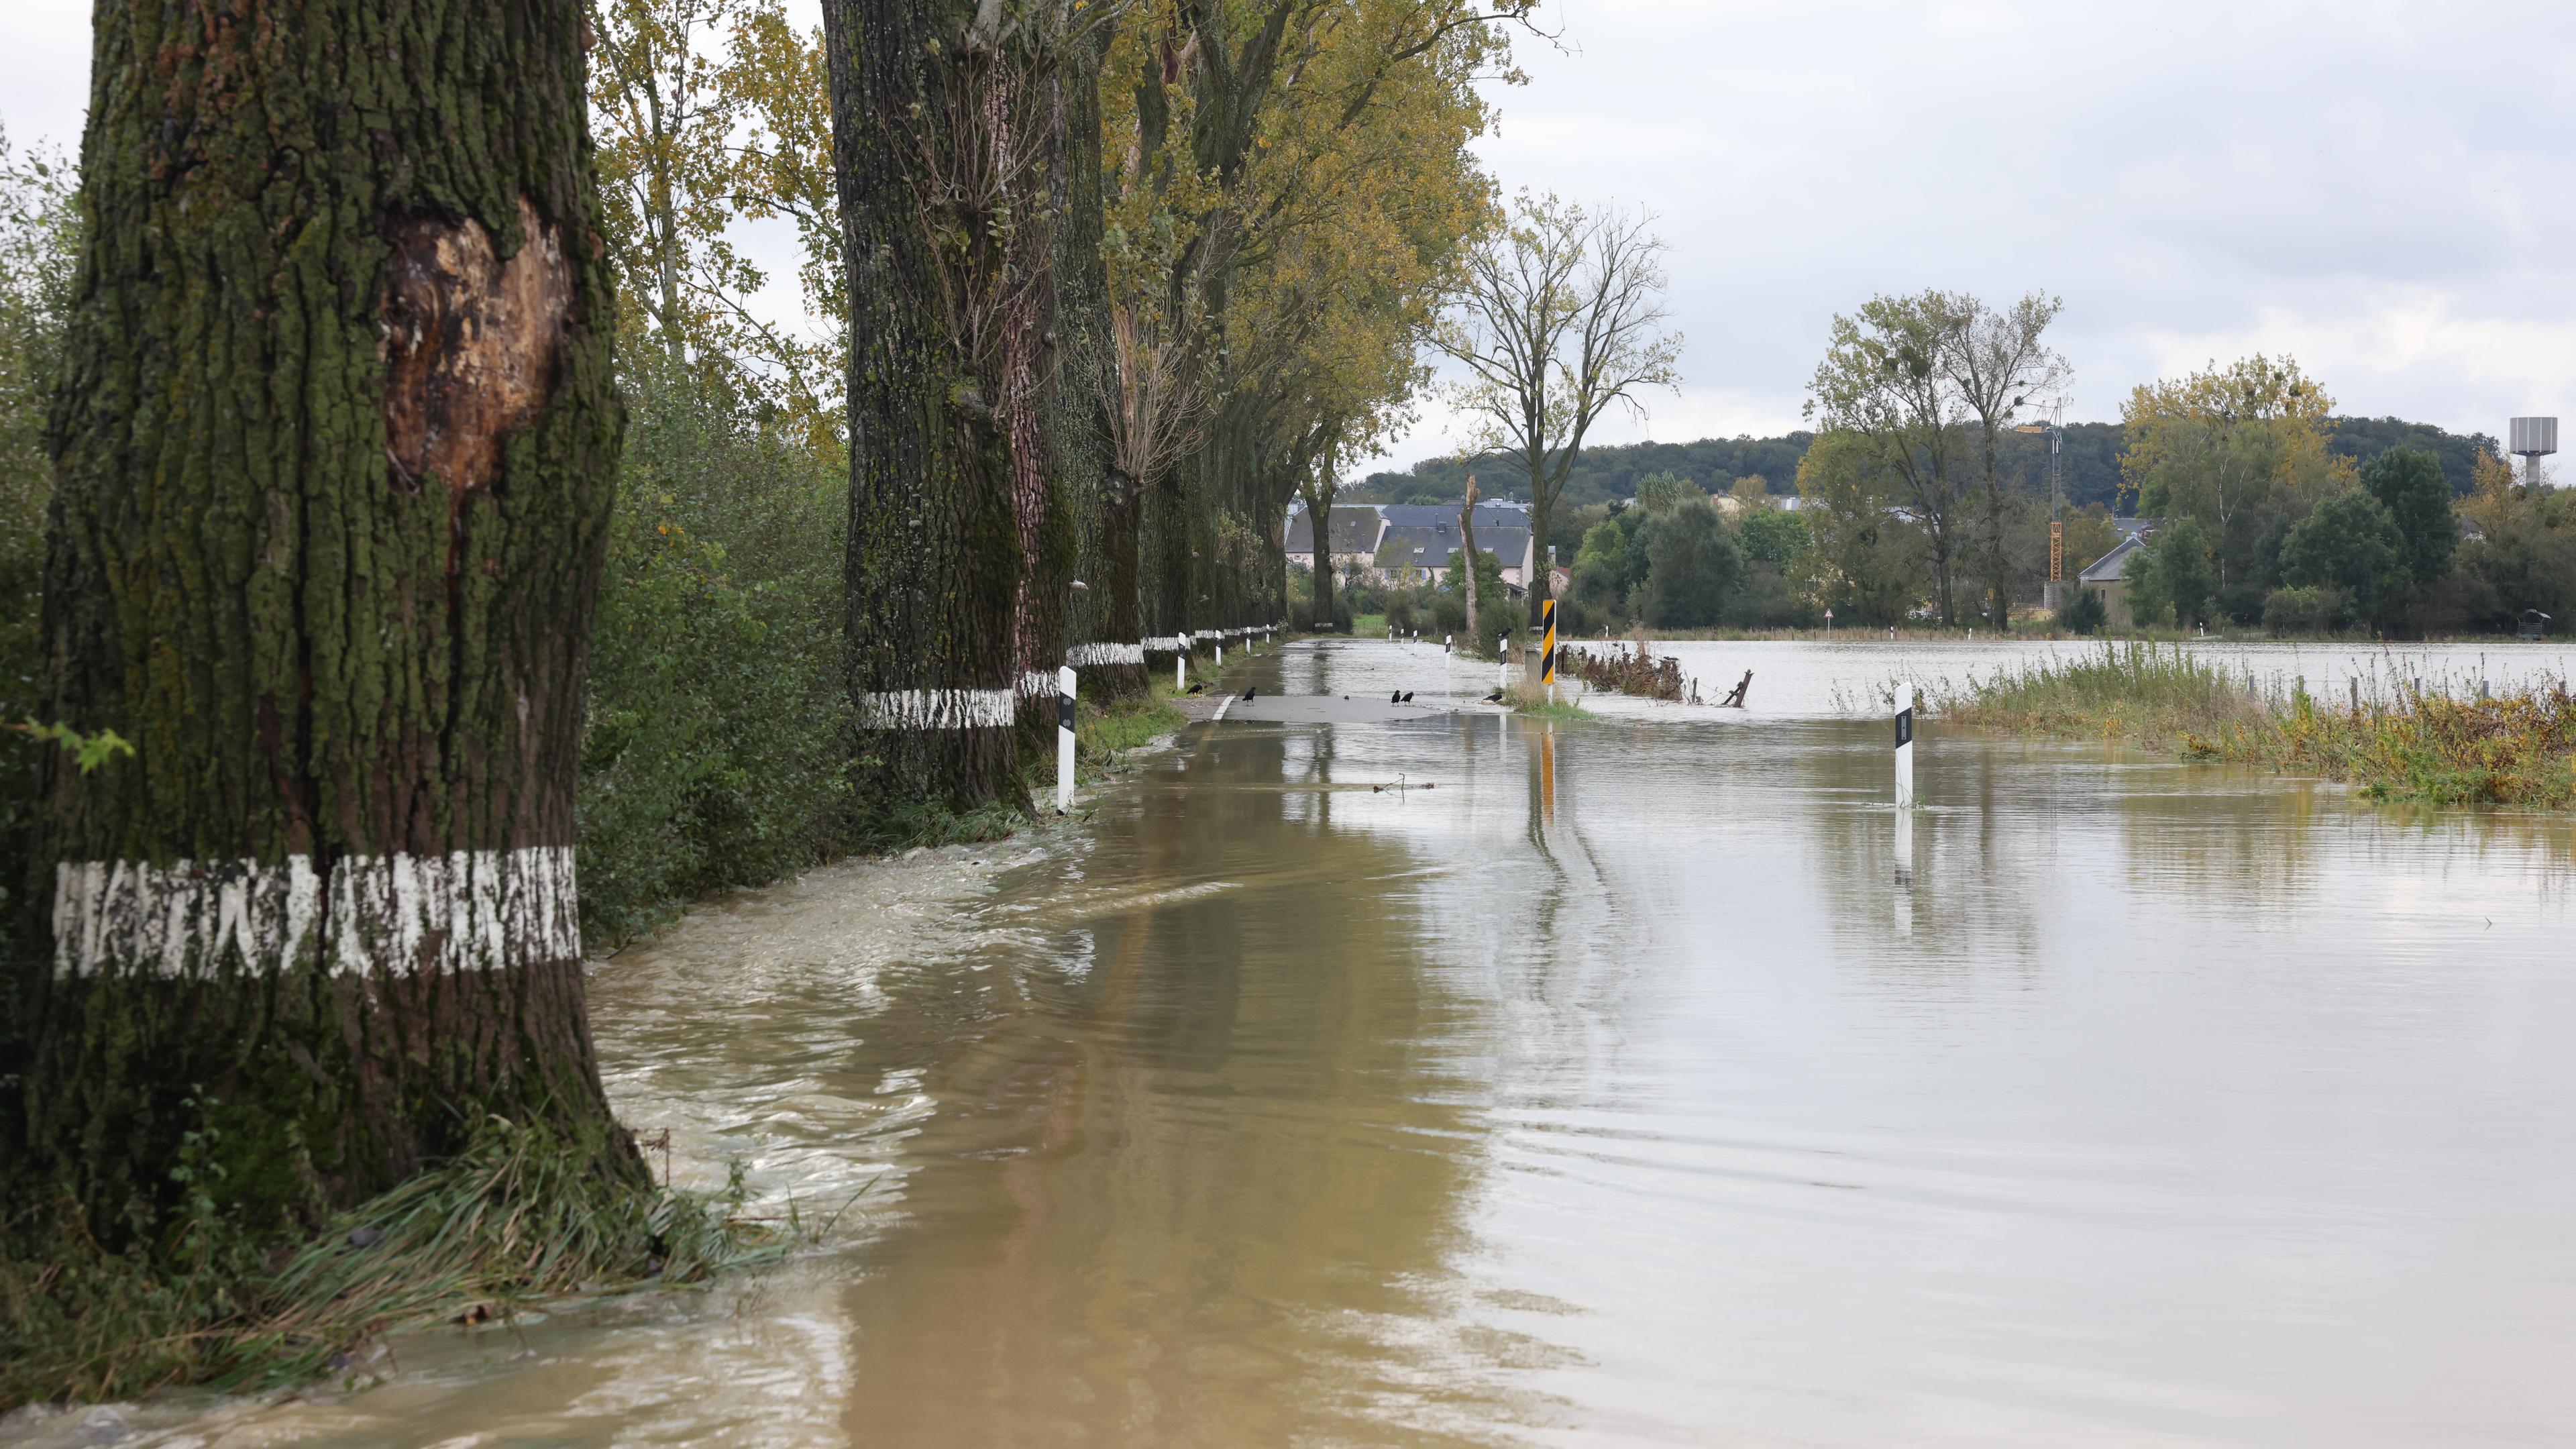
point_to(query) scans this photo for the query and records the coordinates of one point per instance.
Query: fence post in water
(1063, 740)
(1905, 747)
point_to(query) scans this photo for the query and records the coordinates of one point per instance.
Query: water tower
(2533, 440)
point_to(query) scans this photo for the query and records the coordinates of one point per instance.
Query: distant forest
(2091, 464)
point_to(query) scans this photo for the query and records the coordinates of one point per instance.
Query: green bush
(1691, 570)
(2349, 542)
(2172, 579)
(714, 755)
(1609, 566)
(37, 226)
(1499, 616)
(2084, 614)
(2309, 610)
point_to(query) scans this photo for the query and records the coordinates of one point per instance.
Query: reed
(520, 1218)
(2398, 738)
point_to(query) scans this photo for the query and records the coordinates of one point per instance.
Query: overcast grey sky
(2382, 190)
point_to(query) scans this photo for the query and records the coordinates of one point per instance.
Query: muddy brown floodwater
(1611, 1091)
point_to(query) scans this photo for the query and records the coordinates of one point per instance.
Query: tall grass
(2399, 739)
(521, 1217)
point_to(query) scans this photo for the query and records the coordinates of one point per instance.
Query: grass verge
(1103, 732)
(2397, 741)
(522, 1217)
(1531, 702)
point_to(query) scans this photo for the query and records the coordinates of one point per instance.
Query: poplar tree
(944, 130)
(1105, 628)
(334, 451)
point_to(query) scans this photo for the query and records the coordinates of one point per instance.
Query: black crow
(1195, 688)
(1396, 698)
(1249, 693)
(1494, 698)
(1408, 698)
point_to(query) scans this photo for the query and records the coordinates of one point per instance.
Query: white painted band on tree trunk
(938, 709)
(1034, 685)
(1209, 634)
(1092, 656)
(1168, 643)
(468, 910)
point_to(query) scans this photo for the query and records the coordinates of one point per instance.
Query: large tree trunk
(1467, 560)
(336, 449)
(1164, 568)
(1105, 630)
(935, 548)
(1319, 503)
(1541, 508)
(1042, 611)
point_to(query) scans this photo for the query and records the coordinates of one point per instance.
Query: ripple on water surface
(1647, 1080)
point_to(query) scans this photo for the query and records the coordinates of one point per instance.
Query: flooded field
(1611, 1090)
(1808, 680)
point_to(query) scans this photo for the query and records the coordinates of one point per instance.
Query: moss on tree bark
(932, 189)
(336, 449)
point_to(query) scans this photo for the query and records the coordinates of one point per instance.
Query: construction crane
(2055, 427)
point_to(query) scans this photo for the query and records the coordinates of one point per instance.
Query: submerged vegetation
(1639, 671)
(2397, 739)
(521, 1218)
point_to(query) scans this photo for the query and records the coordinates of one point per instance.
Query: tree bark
(1319, 503)
(1539, 589)
(1467, 559)
(336, 448)
(1105, 629)
(935, 552)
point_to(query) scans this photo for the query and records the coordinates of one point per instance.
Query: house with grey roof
(2108, 577)
(1352, 536)
(1412, 551)
(1411, 542)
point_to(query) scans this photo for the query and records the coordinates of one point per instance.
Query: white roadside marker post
(1905, 747)
(1905, 809)
(1063, 740)
(1181, 667)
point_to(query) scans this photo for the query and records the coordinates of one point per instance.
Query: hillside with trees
(2090, 464)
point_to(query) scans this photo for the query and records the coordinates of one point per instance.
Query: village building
(1352, 541)
(2108, 577)
(1400, 543)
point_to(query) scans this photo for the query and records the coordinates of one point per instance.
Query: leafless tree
(1561, 315)
(1997, 364)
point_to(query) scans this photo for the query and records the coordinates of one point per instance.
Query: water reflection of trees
(1211, 1188)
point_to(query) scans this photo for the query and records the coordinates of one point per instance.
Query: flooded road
(1610, 1091)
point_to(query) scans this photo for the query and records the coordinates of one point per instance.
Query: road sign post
(1064, 739)
(1905, 747)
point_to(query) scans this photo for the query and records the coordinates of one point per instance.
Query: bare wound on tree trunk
(470, 346)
